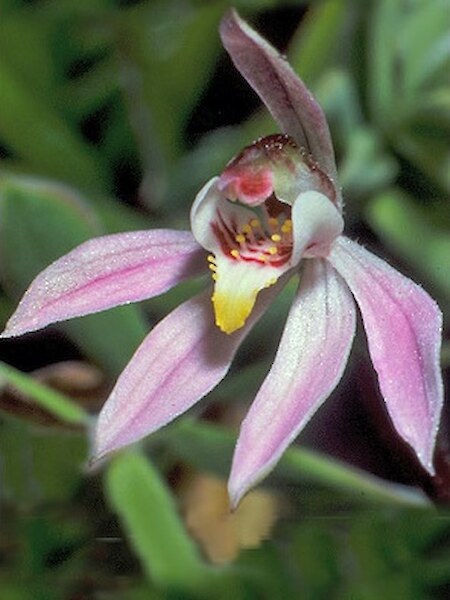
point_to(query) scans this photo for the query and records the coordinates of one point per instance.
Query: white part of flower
(316, 223)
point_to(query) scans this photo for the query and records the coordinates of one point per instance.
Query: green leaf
(385, 21)
(91, 90)
(14, 590)
(32, 129)
(117, 217)
(33, 59)
(366, 166)
(38, 467)
(209, 447)
(164, 47)
(319, 39)
(318, 555)
(408, 230)
(303, 465)
(149, 516)
(437, 99)
(6, 308)
(425, 145)
(43, 535)
(424, 43)
(41, 221)
(207, 158)
(265, 572)
(386, 557)
(409, 55)
(57, 404)
(336, 91)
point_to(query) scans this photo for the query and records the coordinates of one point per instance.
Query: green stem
(57, 404)
(154, 528)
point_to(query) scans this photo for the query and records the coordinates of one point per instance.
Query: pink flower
(274, 212)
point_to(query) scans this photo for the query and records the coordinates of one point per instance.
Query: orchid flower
(274, 212)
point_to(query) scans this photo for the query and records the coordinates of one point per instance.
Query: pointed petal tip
(17, 327)
(234, 501)
(426, 459)
(286, 97)
(244, 477)
(106, 440)
(192, 357)
(102, 449)
(98, 453)
(310, 361)
(409, 373)
(232, 23)
(235, 494)
(105, 272)
(240, 481)
(429, 468)
(229, 18)
(98, 458)
(93, 461)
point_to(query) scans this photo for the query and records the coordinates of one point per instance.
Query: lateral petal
(403, 326)
(178, 363)
(208, 205)
(316, 224)
(309, 363)
(288, 99)
(106, 272)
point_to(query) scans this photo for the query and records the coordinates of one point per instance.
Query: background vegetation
(112, 115)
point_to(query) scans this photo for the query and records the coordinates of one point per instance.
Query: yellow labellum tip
(231, 312)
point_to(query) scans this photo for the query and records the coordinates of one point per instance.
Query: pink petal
(178, 363)
(403, 326)
(105, 272)
(282, 91)
(310, 361)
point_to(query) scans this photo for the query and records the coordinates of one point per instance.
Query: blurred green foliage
(99, 102)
